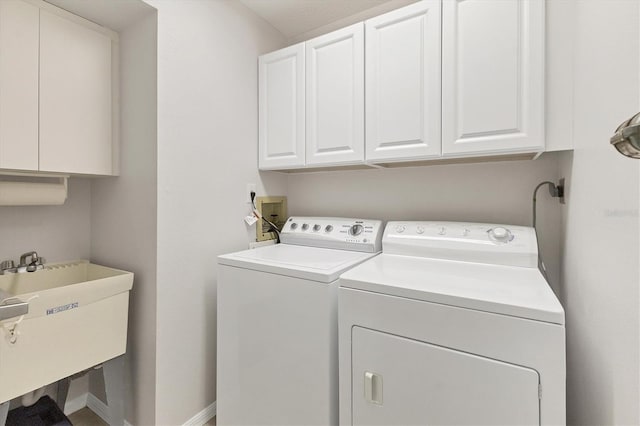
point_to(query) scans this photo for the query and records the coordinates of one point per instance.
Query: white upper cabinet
(19, 22)
(281, 109)
(335, 97)
(403, 83)
(493, 77)
(75, 97)
(435, 79)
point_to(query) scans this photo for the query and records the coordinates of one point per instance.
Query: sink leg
(4, 411)
(113, 371)
(63, 392)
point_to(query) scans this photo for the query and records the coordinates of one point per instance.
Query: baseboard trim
(75, 404)
(101, 409)
(203, 416)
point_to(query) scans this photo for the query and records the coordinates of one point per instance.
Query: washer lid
(509, 290)
(311, 263)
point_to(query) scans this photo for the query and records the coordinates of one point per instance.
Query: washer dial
(500, 234)
(356, 230)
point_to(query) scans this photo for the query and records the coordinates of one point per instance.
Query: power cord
(556, 191)
(272, 226)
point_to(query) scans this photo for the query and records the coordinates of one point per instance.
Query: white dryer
(453, 324)
(278, 322)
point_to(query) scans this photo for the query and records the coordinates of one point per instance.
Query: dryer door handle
(373, 388)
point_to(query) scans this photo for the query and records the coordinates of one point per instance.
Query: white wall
(124, 213)
(601, 232)
(57, 233)
(207, 153)
(498, 192)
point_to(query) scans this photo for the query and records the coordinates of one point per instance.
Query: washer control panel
(463, 241)
(333, 232)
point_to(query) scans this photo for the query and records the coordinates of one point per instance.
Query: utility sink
(58, 321)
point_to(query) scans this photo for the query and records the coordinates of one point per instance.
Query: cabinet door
(403, 83)
(401, 381)
(75, 97)
(335, 97)
(493, 77)
(281, 109)
(19, 27)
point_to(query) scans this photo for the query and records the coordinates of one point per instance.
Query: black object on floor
(45, 412)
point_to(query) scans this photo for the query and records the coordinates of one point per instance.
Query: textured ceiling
(295, 17)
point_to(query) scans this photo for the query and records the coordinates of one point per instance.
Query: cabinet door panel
(19, 29)
(403, 84)
(400, 381)
(281, 109)
(493, 76)
(335, 97)
(75, 98)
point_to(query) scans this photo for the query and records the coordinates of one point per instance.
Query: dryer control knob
(316, 228)
(294, 225)
(356, 230)
(400, 229)
(420, 230)
(501, 234)
(328, 228)
(305, 226)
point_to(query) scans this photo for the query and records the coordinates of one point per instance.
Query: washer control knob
(356, 230)
(420, 230)
(328, 228)
(400, 229)
(316, 228)
(500, 234)
(294, 225)
(305, 226)
(442, 230)
(465, 232)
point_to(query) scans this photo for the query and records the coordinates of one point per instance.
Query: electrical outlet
(251, 187)
(561, 191)
(273, 209)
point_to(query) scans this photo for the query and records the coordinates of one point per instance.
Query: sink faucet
(34, 264)
(29, 262)
(32, 255)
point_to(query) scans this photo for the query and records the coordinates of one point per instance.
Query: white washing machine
(278, 322)
(453, 324)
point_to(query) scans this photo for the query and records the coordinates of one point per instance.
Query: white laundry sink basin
(77, 318)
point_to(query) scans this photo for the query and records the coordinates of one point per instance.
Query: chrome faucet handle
(7, 265)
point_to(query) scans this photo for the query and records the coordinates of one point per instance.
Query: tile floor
(86, 417)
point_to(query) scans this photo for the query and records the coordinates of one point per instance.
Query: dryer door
(401, 381)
